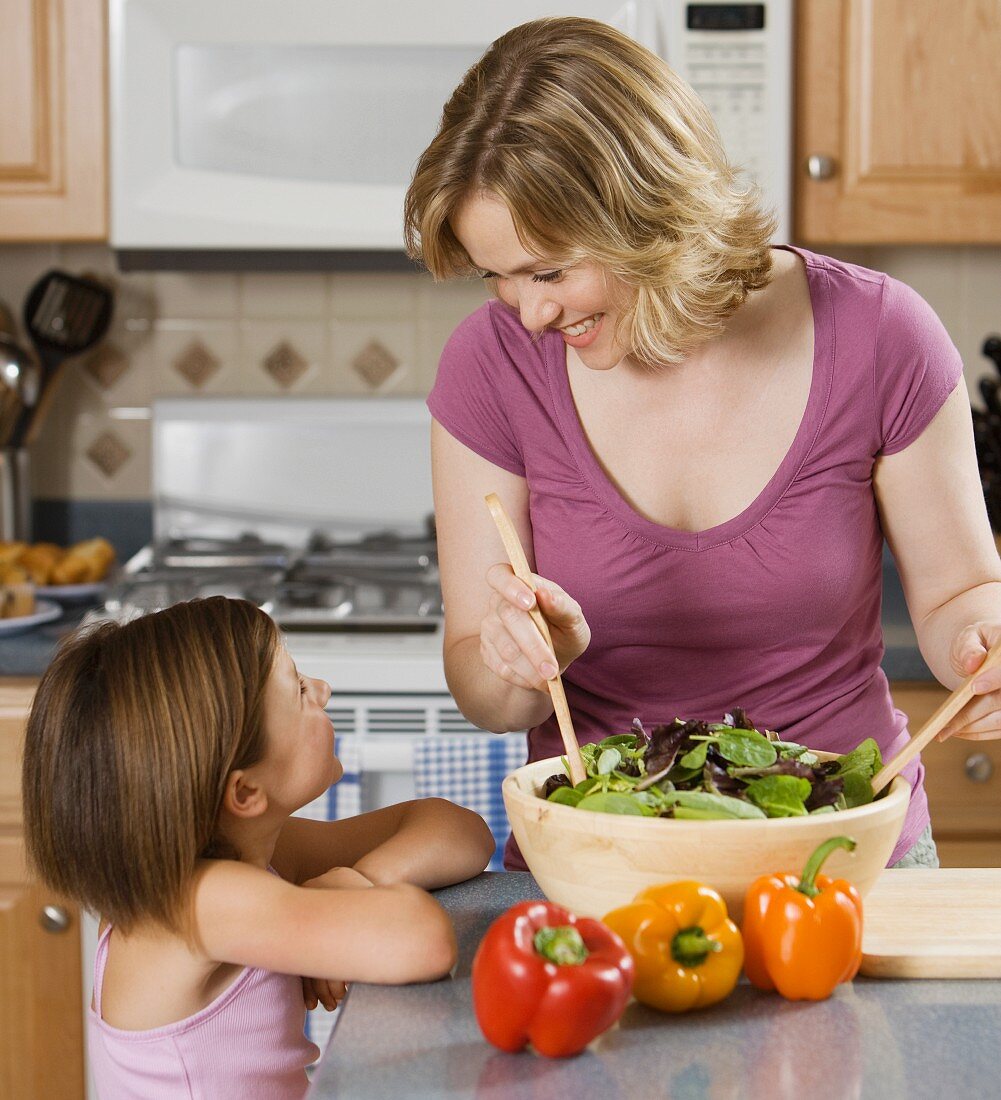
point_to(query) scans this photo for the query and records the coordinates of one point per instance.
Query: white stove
(321, 512)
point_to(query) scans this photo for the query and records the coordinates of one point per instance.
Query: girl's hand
(327, 991)
(323, 991)
(510, 643)
(980, 719)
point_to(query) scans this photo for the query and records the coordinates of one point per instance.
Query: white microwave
(283, 133)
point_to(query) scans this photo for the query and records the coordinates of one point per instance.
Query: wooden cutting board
(933, 924)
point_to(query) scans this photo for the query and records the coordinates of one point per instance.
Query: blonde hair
(601, 153)
(133, 732)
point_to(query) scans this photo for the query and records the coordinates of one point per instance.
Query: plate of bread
(43, 611)
(67, 574)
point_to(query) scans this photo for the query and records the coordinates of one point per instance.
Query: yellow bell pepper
(687, 951)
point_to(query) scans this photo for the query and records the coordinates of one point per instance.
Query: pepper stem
(813, 864)
(691, 946)
(562, 945)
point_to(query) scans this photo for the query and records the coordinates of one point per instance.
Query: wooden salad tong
(934, 726)
(519, 563)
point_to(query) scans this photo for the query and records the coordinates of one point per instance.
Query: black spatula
(64, 315)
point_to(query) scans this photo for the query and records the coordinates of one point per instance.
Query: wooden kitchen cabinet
(53, 129)
(963, 780)
(41, 995)
(899, 99)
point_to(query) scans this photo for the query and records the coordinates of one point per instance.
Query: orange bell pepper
(687, 951)
(803, 936)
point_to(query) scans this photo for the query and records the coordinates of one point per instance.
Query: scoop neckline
(605, 491)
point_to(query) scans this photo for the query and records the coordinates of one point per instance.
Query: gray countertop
(29, 654)
(873, 1039)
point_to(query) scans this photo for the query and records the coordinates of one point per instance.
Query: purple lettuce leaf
(825, 792)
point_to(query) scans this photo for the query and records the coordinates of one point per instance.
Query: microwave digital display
(725, 17)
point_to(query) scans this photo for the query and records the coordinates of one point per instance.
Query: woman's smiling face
(576, 301)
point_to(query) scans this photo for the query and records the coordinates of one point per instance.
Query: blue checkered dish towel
(343, 799)
(468, 769)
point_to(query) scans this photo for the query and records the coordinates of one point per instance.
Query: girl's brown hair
(132, 734)
(601, 153)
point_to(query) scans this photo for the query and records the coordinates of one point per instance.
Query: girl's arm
(385, 934)
(493, 651)
(429, 843)
(933, 515)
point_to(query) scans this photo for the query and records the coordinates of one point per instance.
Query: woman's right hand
(510, 643)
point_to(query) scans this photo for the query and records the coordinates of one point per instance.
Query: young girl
(163, 760)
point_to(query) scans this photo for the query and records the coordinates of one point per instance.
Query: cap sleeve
(916, 367)
(468, 397)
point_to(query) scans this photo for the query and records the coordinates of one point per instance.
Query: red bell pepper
(545, 977)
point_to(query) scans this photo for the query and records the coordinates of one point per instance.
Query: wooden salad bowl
(592, 862)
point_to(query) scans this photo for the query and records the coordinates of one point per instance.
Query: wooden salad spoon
(519, 563)
(934, 726)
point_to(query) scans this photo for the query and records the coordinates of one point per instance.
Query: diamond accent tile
(375, 364)
(196, 363)
(108, 453)
(285, 365)
(106, 365)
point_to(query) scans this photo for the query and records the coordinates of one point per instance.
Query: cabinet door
(963, 783)
(41, 995)
(899, 101)
(53, 146)
(16, 694)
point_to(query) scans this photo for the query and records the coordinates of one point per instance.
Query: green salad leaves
(702, 770)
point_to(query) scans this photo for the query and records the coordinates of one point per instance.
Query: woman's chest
(692, 457)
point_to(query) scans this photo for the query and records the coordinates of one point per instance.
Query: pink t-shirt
(776, 610)
(248, 1044)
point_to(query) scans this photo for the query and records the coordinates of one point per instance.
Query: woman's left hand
(980, 719)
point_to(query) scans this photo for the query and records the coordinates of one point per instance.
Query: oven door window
(338, 114)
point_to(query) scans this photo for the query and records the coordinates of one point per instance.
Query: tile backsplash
(330, 334)
(264, 335)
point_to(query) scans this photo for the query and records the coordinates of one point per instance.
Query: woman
(702, 440)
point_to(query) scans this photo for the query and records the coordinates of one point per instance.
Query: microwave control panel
(738, 58)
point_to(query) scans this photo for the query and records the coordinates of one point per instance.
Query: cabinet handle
(979, 767)
(54, 918)
(820, 167)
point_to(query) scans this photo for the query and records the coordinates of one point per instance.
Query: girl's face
(575, 301)
(299, 763)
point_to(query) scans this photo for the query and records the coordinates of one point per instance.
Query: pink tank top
(248, 1044)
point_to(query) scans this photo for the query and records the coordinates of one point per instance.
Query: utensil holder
(7, 504)
(15, 495)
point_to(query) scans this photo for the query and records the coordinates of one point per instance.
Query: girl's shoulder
(233, 904)
(216, 880)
